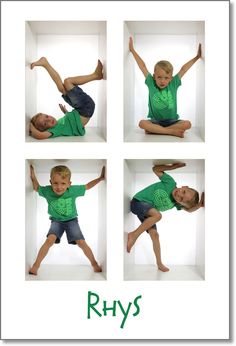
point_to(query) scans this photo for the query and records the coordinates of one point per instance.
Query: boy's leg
(89, 254)
(172, 130)
(70, 82)
(157, 249)
(42, 253)
(53, 73)
(153, 217)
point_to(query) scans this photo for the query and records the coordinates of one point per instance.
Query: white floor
(93, 134)
(66, 272)
(176, 273)
(138, 135)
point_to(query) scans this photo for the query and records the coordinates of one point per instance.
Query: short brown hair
(34, 121)
(164, 65)
(194, 201)
(64, 171)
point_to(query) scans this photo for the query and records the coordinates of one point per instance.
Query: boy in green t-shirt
(149, 202)
(61, 196)
(162, 103)
(44, 126)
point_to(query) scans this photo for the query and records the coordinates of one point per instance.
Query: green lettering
(136, 305)
(125, 313)
(91, 305)
(105, 308)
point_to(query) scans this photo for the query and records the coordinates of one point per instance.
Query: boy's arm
(159, 169)
(190, 63)
(96, 181)
(139, 61)
(199, 205)
(34, 179)
(38, 134)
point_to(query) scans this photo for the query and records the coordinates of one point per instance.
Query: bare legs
(153, 217)
(42, 253)
(69, 82)
(50, 241)
(176, 129)
(89, 254)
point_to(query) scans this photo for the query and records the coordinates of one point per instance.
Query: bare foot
(163, 268)
(177, 132)
(33, 271)
(130, 241)
(41, 62)
(98, 72)
(97, 268)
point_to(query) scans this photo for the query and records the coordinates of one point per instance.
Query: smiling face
(161, 77)
(183, 195)
(59, 183)
(44, 122)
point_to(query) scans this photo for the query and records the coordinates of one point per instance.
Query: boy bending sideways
(162, 103)
(148, 204)
(61, 196)
(43, 126)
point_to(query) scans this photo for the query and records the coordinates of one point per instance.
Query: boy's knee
(51, 240)
(68, 84)
(81, 243)
(158, 217)
(142, 124)
(188, 125)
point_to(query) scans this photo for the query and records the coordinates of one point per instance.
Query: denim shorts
(71, 227)
(140, 209)
(80, 101)
(165, 122)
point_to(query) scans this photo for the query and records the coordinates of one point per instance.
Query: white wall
(173, 41)
(73, 49)
(181, 233)
(91, 214)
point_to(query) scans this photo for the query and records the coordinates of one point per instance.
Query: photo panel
(181, 234)
(72, 48)
(66, 261)
(176, 42)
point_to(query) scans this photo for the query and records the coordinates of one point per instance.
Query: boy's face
(162, 78)
(45, 122)
(59, 184)
(183, 195)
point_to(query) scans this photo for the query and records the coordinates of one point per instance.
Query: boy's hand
(199, 52)
(102, 176)
(202, 200)
(131, 44)
(63, 108)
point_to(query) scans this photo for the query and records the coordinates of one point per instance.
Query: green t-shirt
(159, 194)
(69, 125)
(62, 208)
(162, 103)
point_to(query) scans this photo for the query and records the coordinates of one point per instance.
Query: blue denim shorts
(80, 101)
(140, 209)
(71, 227)
(165, 122)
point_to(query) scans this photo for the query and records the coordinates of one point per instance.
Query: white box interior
(178, 43)
(65, 261)
(182, 234)
(73, 49)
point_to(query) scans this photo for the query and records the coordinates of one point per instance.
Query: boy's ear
(50, 181)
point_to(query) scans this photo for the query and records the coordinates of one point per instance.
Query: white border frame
(169, 310)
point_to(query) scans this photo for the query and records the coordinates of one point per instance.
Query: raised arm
(38, 134)
(160, 169)
(190, 63)
(96, 181)
(34, 179)
(139, 61)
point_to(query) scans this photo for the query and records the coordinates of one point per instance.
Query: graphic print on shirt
(163, 100)
(162, 201)
(62, 206)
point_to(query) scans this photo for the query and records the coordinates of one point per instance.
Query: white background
(169, 310)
